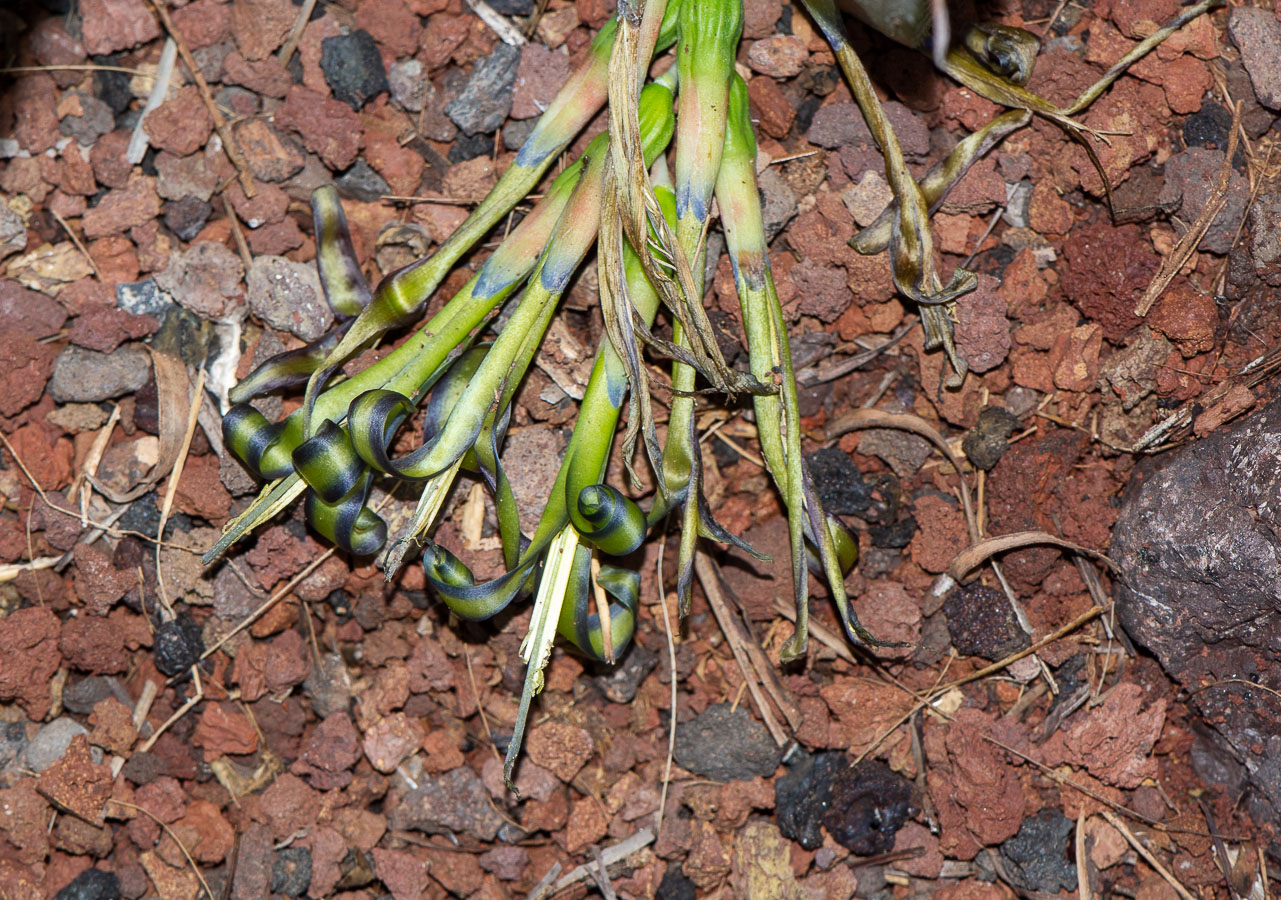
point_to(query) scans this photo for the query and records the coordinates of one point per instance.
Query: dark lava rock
(1208, 126)
(621, 682)
(81, 696)
(840, 485)
(1036, 859)
(676, 885)
(513, 7)
(457, 801)
(869, 805)
(13, 741)
(862, 806)
(362, 183)
(725, 745)
(291, 875)
(112, 87)
(186, 217)
(990, 437)
(896, 536)
(487, 98)
(353, 67)
(803, 795)
(178, 645)
(467, 147)
(144, 768)
(91, 884)
(87, 376)
(1198, 548)
(982, 623)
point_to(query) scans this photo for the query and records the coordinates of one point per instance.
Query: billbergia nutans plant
(678, 159)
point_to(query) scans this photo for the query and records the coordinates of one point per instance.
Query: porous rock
(1199, 559)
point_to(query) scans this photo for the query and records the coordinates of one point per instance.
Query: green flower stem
(911, 241)
(778, 424)
(405, 370)
(401, 295)
(708, 42)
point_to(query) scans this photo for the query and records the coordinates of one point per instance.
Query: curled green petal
(349, 523)
(609, 521)
(373, 419)
(256, 442)
(329, 464)
(579, 622)
(344, 284)
(288, 369)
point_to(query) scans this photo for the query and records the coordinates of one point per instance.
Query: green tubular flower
(705, 56)
(344, 284)
(777, 418)
(589, 446)
(401, 296)
(349, 523)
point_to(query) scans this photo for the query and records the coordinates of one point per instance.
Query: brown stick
(1171, 265)
(229, 145)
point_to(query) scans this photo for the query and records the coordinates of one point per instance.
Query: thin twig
(610, 855)
(712, 590)
(671, 659)
(1187, 244)
(506, 31)
(1138, 845)
(175, 475)
(229, 145)
(295, 33)
(169, 831)
(75, 240)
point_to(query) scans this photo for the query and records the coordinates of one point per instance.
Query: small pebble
(353, 67)
(726, 745)
(91, 884)
(51, 743)
(178, 645)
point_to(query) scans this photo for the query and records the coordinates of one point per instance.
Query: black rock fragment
(869, 805)
(1036, 859)
(91, 884)
(178, 645)
(982, 623)
(487, 98)
(896, 536)
(362, 182)
(621, 682)
(1208, 126)
(989, 438)
(186, 217)
(353, 67)
(291, 874)
(803, 795)
(1198, 551)
(676, 885)
(467, 147)
(513, 7)
(726, 746)
(839, 483)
